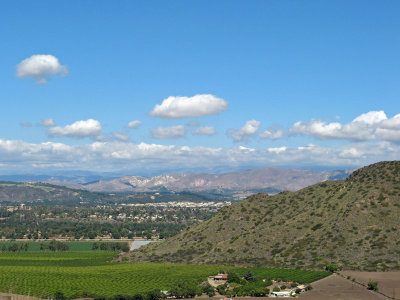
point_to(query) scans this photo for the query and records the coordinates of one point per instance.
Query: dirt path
(4, 296)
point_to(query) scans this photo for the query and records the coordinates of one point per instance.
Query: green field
(76, 274)
(74, 246)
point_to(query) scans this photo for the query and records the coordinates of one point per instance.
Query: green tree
(125, 247)
(250, 277)
(209, 290)
(233, 277)
(153, 295)
(13, 247)
(92, 235)
(332, 268)
(59, 296)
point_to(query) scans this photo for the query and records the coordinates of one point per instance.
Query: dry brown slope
(354, 222)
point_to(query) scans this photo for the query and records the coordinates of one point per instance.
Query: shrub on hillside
(373, 285)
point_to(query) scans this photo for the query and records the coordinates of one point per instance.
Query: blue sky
(265, 83)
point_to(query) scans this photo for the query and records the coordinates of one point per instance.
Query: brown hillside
(353, 222)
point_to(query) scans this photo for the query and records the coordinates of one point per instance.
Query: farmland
(91, 273)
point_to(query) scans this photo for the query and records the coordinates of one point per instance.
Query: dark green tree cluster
(108, 246)
(15, 247)
(332, 268)
(54, 245)
(185, 290)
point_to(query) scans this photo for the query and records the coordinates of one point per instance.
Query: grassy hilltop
(353, 222)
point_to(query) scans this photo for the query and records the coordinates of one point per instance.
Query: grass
(91, 273)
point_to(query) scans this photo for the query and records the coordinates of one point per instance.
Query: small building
(302, 287)
(282, 294)
(221, 277)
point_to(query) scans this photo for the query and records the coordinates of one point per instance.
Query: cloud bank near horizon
(114, 155)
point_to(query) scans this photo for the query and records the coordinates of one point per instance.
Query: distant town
(116, 221)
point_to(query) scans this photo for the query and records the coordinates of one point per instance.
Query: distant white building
(282, 294)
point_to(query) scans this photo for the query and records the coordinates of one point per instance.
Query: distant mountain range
(271, 180)
(354, 223)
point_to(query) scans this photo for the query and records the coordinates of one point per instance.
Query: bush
(259, 292)
(276, 289)
(59, 296)
(233, 277)
(125, 247)
(184, 290)
(298, 291)
(373, 285)
(250, 277)
(153, 295)
(332, 268)
(221, 289)
(209, 290)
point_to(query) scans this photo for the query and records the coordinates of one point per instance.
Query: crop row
(76, 274)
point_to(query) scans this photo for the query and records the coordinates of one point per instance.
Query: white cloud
(371, 118)
(272, 135)
(373, 125)
(134, 124)
(277, 149)
(120, 136)
(393, 123)
(80, 129)
(243, 148)
(206, 130)
(186, 107)
(41, 68)
(243, 133)
(173, 132)
(113, 156)
(48, 122)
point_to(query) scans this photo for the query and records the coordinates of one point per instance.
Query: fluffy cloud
(243, 133)
(48, 122)
(173, 132)
(80, 129)
(134, 124)
(373, 125)
(389, 130)
(272, 135)
(41, 68)
(206, 130)
(185, 107)
(113, 156)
